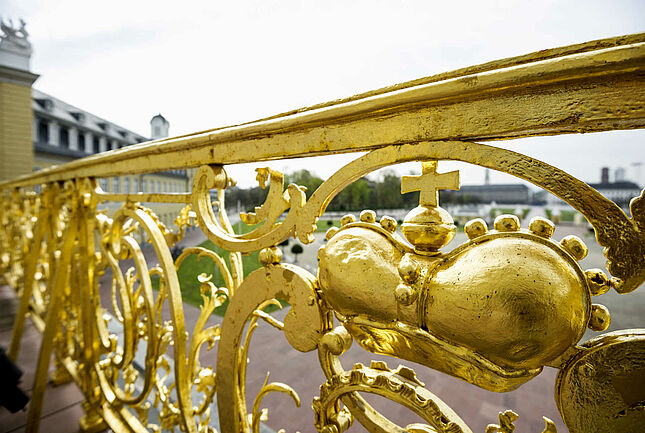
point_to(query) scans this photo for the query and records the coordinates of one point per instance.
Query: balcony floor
(62, 404)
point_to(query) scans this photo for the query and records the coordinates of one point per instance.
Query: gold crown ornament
(493, 311)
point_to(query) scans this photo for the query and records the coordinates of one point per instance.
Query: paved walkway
(62, 404)
(271, 352)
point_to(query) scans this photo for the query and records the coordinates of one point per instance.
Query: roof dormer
(79, 116)
(46, 103)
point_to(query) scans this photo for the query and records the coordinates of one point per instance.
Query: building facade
(621, 191)
(515, 193)
(38, 130)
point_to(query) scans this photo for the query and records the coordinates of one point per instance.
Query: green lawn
(324, 225)
(565, 215)
(192, 266)
(503, 210)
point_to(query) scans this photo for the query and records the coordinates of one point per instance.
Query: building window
(158, 186)
(144, 185)
(104, 184)
(81, 141)
(63, 136)
(97, 147)
(116, 186)
(126, 185)
(43, 132)
(135, 183)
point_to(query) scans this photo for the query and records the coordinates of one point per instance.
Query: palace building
(38, 130)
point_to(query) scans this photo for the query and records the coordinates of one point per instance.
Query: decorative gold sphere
(598, 281)
(574, 246)
(507, 223)
(475, 228)
(347, 219)
(542, 227)
(600, 318)
(368, 216)
(388, 223)
(270, 256)
(428, 228)
(331, 232)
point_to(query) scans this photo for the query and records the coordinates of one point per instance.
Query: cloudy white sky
(214, 63)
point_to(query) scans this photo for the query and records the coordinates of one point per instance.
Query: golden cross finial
(429, 183)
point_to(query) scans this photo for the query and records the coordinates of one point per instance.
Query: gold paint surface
(493, 311)
(516, 301)
(603, 387)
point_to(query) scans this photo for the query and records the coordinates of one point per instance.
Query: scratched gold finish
(493, 311)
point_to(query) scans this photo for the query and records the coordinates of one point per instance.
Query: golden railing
(493, 312)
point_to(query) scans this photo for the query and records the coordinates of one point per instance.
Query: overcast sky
(212, 63)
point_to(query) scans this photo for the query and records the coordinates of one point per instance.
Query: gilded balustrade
(493, 311)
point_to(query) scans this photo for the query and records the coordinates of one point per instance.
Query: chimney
(619, 175)
(604, 175)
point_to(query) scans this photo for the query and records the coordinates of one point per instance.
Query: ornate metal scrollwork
(493, 311)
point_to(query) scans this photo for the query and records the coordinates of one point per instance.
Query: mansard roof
(50, 107)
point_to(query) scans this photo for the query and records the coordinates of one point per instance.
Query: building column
(73, 138)
(102, 144)
(54, 131)
(89, 142)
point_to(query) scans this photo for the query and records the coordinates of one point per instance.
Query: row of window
(64, 141)
(153, 186)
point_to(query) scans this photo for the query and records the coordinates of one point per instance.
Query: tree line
(364, 193)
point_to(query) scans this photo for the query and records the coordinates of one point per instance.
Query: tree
(360, 193)
(304, 178)
(295, 250)
(388, 191)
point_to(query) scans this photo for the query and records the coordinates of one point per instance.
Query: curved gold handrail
(493, 101)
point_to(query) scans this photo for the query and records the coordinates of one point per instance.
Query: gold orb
(475, 228)
(600, 318)
(428, 228)
(542, 227)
